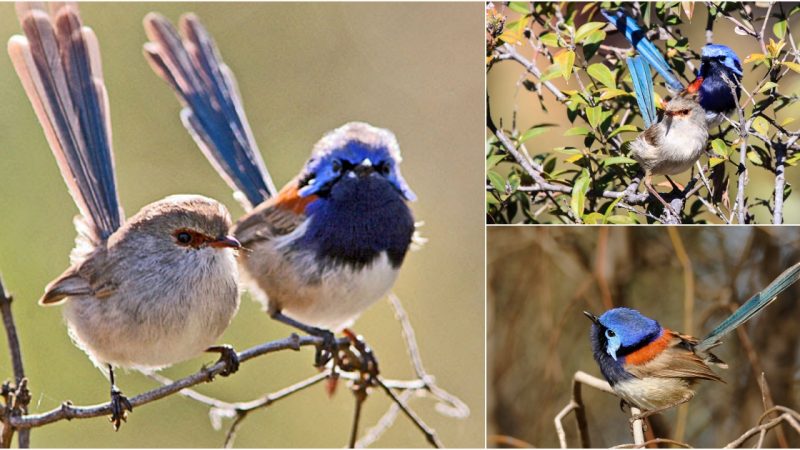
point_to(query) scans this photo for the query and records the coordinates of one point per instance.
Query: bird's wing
(81, 280)
(751, 307)
(636, 36)
(677, 360)
(278, 216)
(213, 112)
(58, 62)
(643, 88)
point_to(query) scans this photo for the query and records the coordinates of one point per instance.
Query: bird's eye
(384, 169)
(336, 166)
(610, 334)
(184, 237)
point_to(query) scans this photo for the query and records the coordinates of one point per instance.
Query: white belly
(148, 329)
(653, 393)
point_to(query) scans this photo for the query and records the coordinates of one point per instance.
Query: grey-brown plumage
(674, 144)
(144, 293)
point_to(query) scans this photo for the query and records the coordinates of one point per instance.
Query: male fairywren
(718, 63)
(653, 368)
(331, 242)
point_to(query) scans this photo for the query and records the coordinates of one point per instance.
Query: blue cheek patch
(612, 346)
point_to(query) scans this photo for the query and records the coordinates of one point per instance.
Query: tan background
(303, 69)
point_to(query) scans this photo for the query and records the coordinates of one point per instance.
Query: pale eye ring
(610, 334)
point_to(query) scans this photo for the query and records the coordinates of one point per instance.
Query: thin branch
(21, 395)
(206, 374)
(430, 435)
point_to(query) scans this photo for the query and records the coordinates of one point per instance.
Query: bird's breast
(652, 393)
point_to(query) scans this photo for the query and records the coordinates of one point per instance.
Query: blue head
(616, 333)
(715, 94)
(355, 153)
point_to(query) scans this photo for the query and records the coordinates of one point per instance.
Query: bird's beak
(591, 316)
(225, 242)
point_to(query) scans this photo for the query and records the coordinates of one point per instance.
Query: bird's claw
(119, 407)
(227, 355)
(325, 350)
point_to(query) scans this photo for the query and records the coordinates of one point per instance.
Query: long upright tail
(213, 111)
(751, 307)
(58, 62)
(643, 88)
(628, 26)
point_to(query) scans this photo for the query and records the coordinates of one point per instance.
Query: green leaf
(755, 158)
(491, 199)
(622, 129)
(767, 86)
(593, 218)
(551, 72)
(715, 161)
(497, 181)
(791, 65)
(493, 160)
(621, 220)
(520, 7)
(602, 73)
(579, 190)
(617, 160)
(535, 131)
(610, 209)
(594, 37)
(779, 29)
(565, 60)
(577, 131)
(613, 92)
(595, 115)
(720, 148)
(761, 125)
(587, 29)
(549, 39)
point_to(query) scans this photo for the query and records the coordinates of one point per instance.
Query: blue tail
(643, 88)
(628, 26)
(213, 111)
(751, 307)
(58, 62)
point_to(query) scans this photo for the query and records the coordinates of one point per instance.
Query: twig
(384, 423)
(430, 435)
(22, 394)
(69, 412)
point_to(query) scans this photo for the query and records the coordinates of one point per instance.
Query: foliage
(596, 181)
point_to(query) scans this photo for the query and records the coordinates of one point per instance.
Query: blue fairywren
(717, 63)
(653, 368)
(674, 144)
(145, 293)
(331, 242)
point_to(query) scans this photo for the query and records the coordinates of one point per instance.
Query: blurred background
(540, 279)
(511, 102)
(303, 69)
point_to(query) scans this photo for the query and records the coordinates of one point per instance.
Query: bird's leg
(648, 183)
(325, 351)
(227, 355)
(686, 397)
(119, 403)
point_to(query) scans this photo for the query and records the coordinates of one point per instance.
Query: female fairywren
(144, 293)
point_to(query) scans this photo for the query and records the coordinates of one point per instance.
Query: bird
(654, 368)
(331, 242)
(143, 293)
(672, 145)
(720, 68)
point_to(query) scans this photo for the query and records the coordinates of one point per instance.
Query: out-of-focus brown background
(302, 69)
(687, 278)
